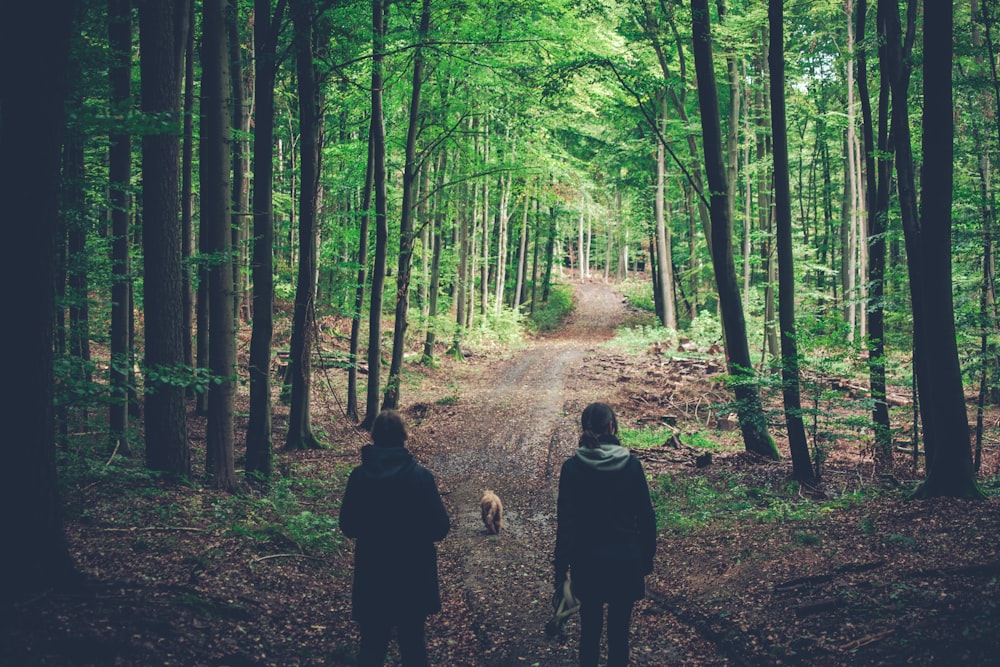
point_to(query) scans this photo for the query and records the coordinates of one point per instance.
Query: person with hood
(392, 507)
(606, 534)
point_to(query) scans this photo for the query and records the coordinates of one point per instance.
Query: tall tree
(36, 36)
(753, 422)
(119, 177)
(216, 225)
(877, 188)
(380, 9)
(300, 434)
(434, 288)
(802, 469)
(406, 233)
(942, 410)
(241, 105)
(359, 290)
(187, 223)
(163, 26)
(267, 26)
(664, 264)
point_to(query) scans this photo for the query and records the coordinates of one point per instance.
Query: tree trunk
(162, 35)
(260, 444)
(377, 132)
(216, 225)
(406, 235)
(851, 194)
(36, 37)
(522, 251)
(801, 467)
(752, 419)
(241, 86)
(877, 187)
(664, 265)
(300, 435)
(359, 292)
(119, 177)
(949, 458)
(435, 282)
(187, 200)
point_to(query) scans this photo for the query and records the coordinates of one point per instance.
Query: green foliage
(549, 315)
(656, 436)
(503, 329)
(705, 330)
(296, 512)
(639, 338)
(639, 294)
(688, 501)
(288, 515)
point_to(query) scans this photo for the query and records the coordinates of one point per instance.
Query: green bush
(548, 315)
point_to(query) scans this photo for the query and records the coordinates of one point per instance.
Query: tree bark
(949, 457)
(119, 177)
(300, 434)
(406, 235)
(753, 422)
(877, 188)
(379, 18)
(163, 26)
(664, 265)
(260, 444)
(359, 291)
(216, 224)
(242, 102)
(430, 339)
(802, 469)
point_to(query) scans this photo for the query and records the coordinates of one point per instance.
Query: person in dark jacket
(393, 507)
(606, 534)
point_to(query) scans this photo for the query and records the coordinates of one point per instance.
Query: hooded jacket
(393, 508)
(606, 530)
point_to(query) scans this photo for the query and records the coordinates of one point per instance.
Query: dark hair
(388, 429)
(596, 420)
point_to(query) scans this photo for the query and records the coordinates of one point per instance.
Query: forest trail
(510, 431)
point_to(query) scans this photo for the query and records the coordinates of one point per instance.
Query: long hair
(597, 419)
(388, 429)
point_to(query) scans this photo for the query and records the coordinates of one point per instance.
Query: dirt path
(510, 430)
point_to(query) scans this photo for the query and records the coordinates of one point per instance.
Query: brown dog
(492, 511)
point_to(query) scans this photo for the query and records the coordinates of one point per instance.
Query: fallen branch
(152, 529)
(865, 641)
(286, 555)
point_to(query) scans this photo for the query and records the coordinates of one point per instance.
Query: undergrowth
(548, 315)
(297, 511)
(686, 503)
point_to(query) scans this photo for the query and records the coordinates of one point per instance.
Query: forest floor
(750, 569)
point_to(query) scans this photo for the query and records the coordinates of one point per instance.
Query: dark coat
(393, 508)
(606, 534)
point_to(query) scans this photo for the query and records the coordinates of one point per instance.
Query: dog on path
(492, 511)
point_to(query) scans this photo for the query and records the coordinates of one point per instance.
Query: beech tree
(753, 423)
(119, 177)
(942, 404)
(216, 226)
(300, 434)
(377, 139)
(163, 29)
(802, 468)
(267, 26)
(406, 233)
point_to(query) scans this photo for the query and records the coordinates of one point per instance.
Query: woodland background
(178, 176)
